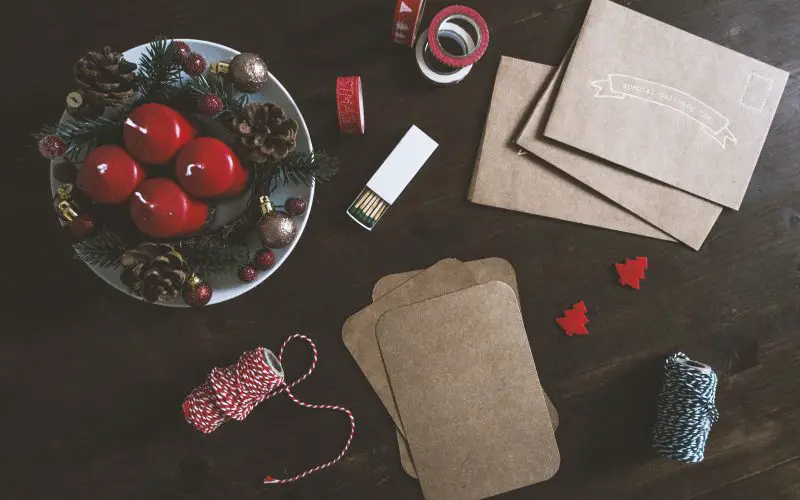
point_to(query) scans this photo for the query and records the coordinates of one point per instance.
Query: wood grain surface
(91, 381)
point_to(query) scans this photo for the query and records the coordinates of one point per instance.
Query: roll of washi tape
(452, 14)
(350, 104)
(434, 70)
(405, 23)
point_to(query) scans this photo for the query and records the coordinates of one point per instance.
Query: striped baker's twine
(231, 393)
(686, 409)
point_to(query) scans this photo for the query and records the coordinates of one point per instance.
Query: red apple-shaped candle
(153, 133)
(161, 209)
(110, 175)
(208, 168)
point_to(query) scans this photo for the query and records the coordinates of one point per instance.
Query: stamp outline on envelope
(759, 108)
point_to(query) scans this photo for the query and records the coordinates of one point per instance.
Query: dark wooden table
(91, 380)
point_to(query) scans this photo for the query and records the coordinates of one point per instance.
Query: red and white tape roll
(469, 16)
(350, 104)
(405, 22)
(435, 71)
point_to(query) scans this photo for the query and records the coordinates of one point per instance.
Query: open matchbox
(392, 177)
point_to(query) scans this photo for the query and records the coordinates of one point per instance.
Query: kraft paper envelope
(665, 103)
(484, 271)
(358, 332)
(468, 393)
(684, 216)
(506, 177)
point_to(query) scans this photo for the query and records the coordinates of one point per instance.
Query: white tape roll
(425, 60)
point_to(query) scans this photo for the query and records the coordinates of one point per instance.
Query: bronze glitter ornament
(277, 229)
(247, 71)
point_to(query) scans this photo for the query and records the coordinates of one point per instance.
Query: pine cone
(265, 132)
(106, 77)
(155, 271)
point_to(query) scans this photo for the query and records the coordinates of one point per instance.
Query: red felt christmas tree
(632, 271)
(574, 320)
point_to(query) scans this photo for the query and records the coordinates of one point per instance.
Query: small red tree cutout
(574, 320)
(632, 271)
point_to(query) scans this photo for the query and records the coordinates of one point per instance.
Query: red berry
(210, 104)
(264, 259)
(195, 65)
(52, 147)
(180, 51)
(82, 227)
(248, 273)
(295, 206)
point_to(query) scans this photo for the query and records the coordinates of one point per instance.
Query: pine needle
(79, 134)
(200, 86)
(303, 168)
(159, 72)
(103, 250)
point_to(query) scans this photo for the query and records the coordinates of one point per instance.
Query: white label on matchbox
(402, 164)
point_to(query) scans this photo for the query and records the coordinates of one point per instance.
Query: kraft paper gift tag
(684, 216)
(358, 332)
(468, 393)
(507, 177)
(665, 103)
(484, 271)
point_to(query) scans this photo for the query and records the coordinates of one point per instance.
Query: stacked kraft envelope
(628, 133)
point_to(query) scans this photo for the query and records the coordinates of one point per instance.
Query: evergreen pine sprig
(159, 71)
(83, 134)
(303, 168)
(208, 259)
(200, 86)
(103, 250)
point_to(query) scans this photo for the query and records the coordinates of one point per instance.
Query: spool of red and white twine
(231, 393)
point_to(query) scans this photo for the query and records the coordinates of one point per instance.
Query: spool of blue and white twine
(686, 409)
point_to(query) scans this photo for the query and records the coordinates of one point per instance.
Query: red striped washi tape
(469, 16)
(405, 22)
(350, 104)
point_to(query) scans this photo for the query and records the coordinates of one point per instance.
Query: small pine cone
(265, 132)
(106, 77)
(154, 271)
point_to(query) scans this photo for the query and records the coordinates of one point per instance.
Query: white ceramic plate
(229, 287)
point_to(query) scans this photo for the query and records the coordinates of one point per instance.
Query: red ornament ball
(195, 64)
(208, 168)
(180, 51)
(248, 273)
(161, 209)
(295, 206)
(210, 104)
(65, 172)
(109, 174)
(264, 259)
(154, 133)
(82, 227)
(197, 293)
(52, 147)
